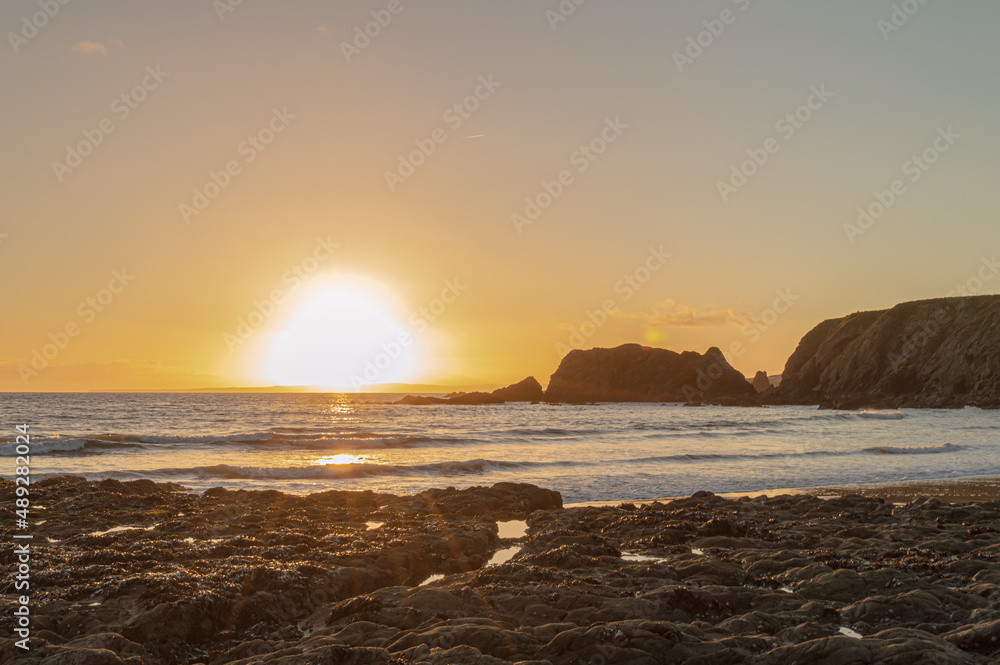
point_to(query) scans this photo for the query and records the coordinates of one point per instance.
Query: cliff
(633, 373)
(942, 353)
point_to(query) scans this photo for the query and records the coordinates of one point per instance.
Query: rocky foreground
(263, 577)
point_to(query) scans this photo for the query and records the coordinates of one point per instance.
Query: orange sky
(531, 184)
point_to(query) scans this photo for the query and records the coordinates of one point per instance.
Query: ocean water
(308, 443)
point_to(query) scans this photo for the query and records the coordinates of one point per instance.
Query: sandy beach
(975, 489)
(958, 490)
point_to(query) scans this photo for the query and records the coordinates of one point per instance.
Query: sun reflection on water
(340, 459)
(342, 405)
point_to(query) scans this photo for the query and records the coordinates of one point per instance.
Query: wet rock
(842, 585)
(836, 650)
(708, 571)
(981, 638)
(97, 649)
(270, 578)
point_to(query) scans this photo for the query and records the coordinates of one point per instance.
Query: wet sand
(972, 489)
(975, 489)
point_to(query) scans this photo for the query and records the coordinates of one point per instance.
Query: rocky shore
(145, 573)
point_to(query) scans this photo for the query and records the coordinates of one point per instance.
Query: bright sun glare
(342, 335)
(336, 460)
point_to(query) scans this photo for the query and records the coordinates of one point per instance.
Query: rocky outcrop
(140, 573)
(455, 398)
(528, 390)
(761, 383)
(941, 353)
(266, 578)
(633, 373)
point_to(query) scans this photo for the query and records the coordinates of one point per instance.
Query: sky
(203, 194)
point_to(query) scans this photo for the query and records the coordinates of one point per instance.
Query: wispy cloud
(91, 48)
(671, 314)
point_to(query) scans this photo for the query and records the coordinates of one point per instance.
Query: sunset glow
(620, 176)
(343, 335)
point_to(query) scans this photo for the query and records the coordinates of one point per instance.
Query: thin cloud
(91, 48)
(671, 314)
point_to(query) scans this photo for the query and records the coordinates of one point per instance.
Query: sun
(344, 335)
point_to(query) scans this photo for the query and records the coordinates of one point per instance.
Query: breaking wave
(913, 450)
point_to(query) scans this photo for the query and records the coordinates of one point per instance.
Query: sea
(304, 443)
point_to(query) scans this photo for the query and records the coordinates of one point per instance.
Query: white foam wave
(878, 414)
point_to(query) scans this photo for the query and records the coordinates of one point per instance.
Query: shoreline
(964, 489)
(967, 489)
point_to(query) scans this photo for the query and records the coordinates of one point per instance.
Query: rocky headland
(145, 574)
(941, 353)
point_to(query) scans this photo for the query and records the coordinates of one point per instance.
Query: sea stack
(634, 373)
(761, 383)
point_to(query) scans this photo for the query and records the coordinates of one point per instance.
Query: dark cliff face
(941, 353)
(633, 373)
